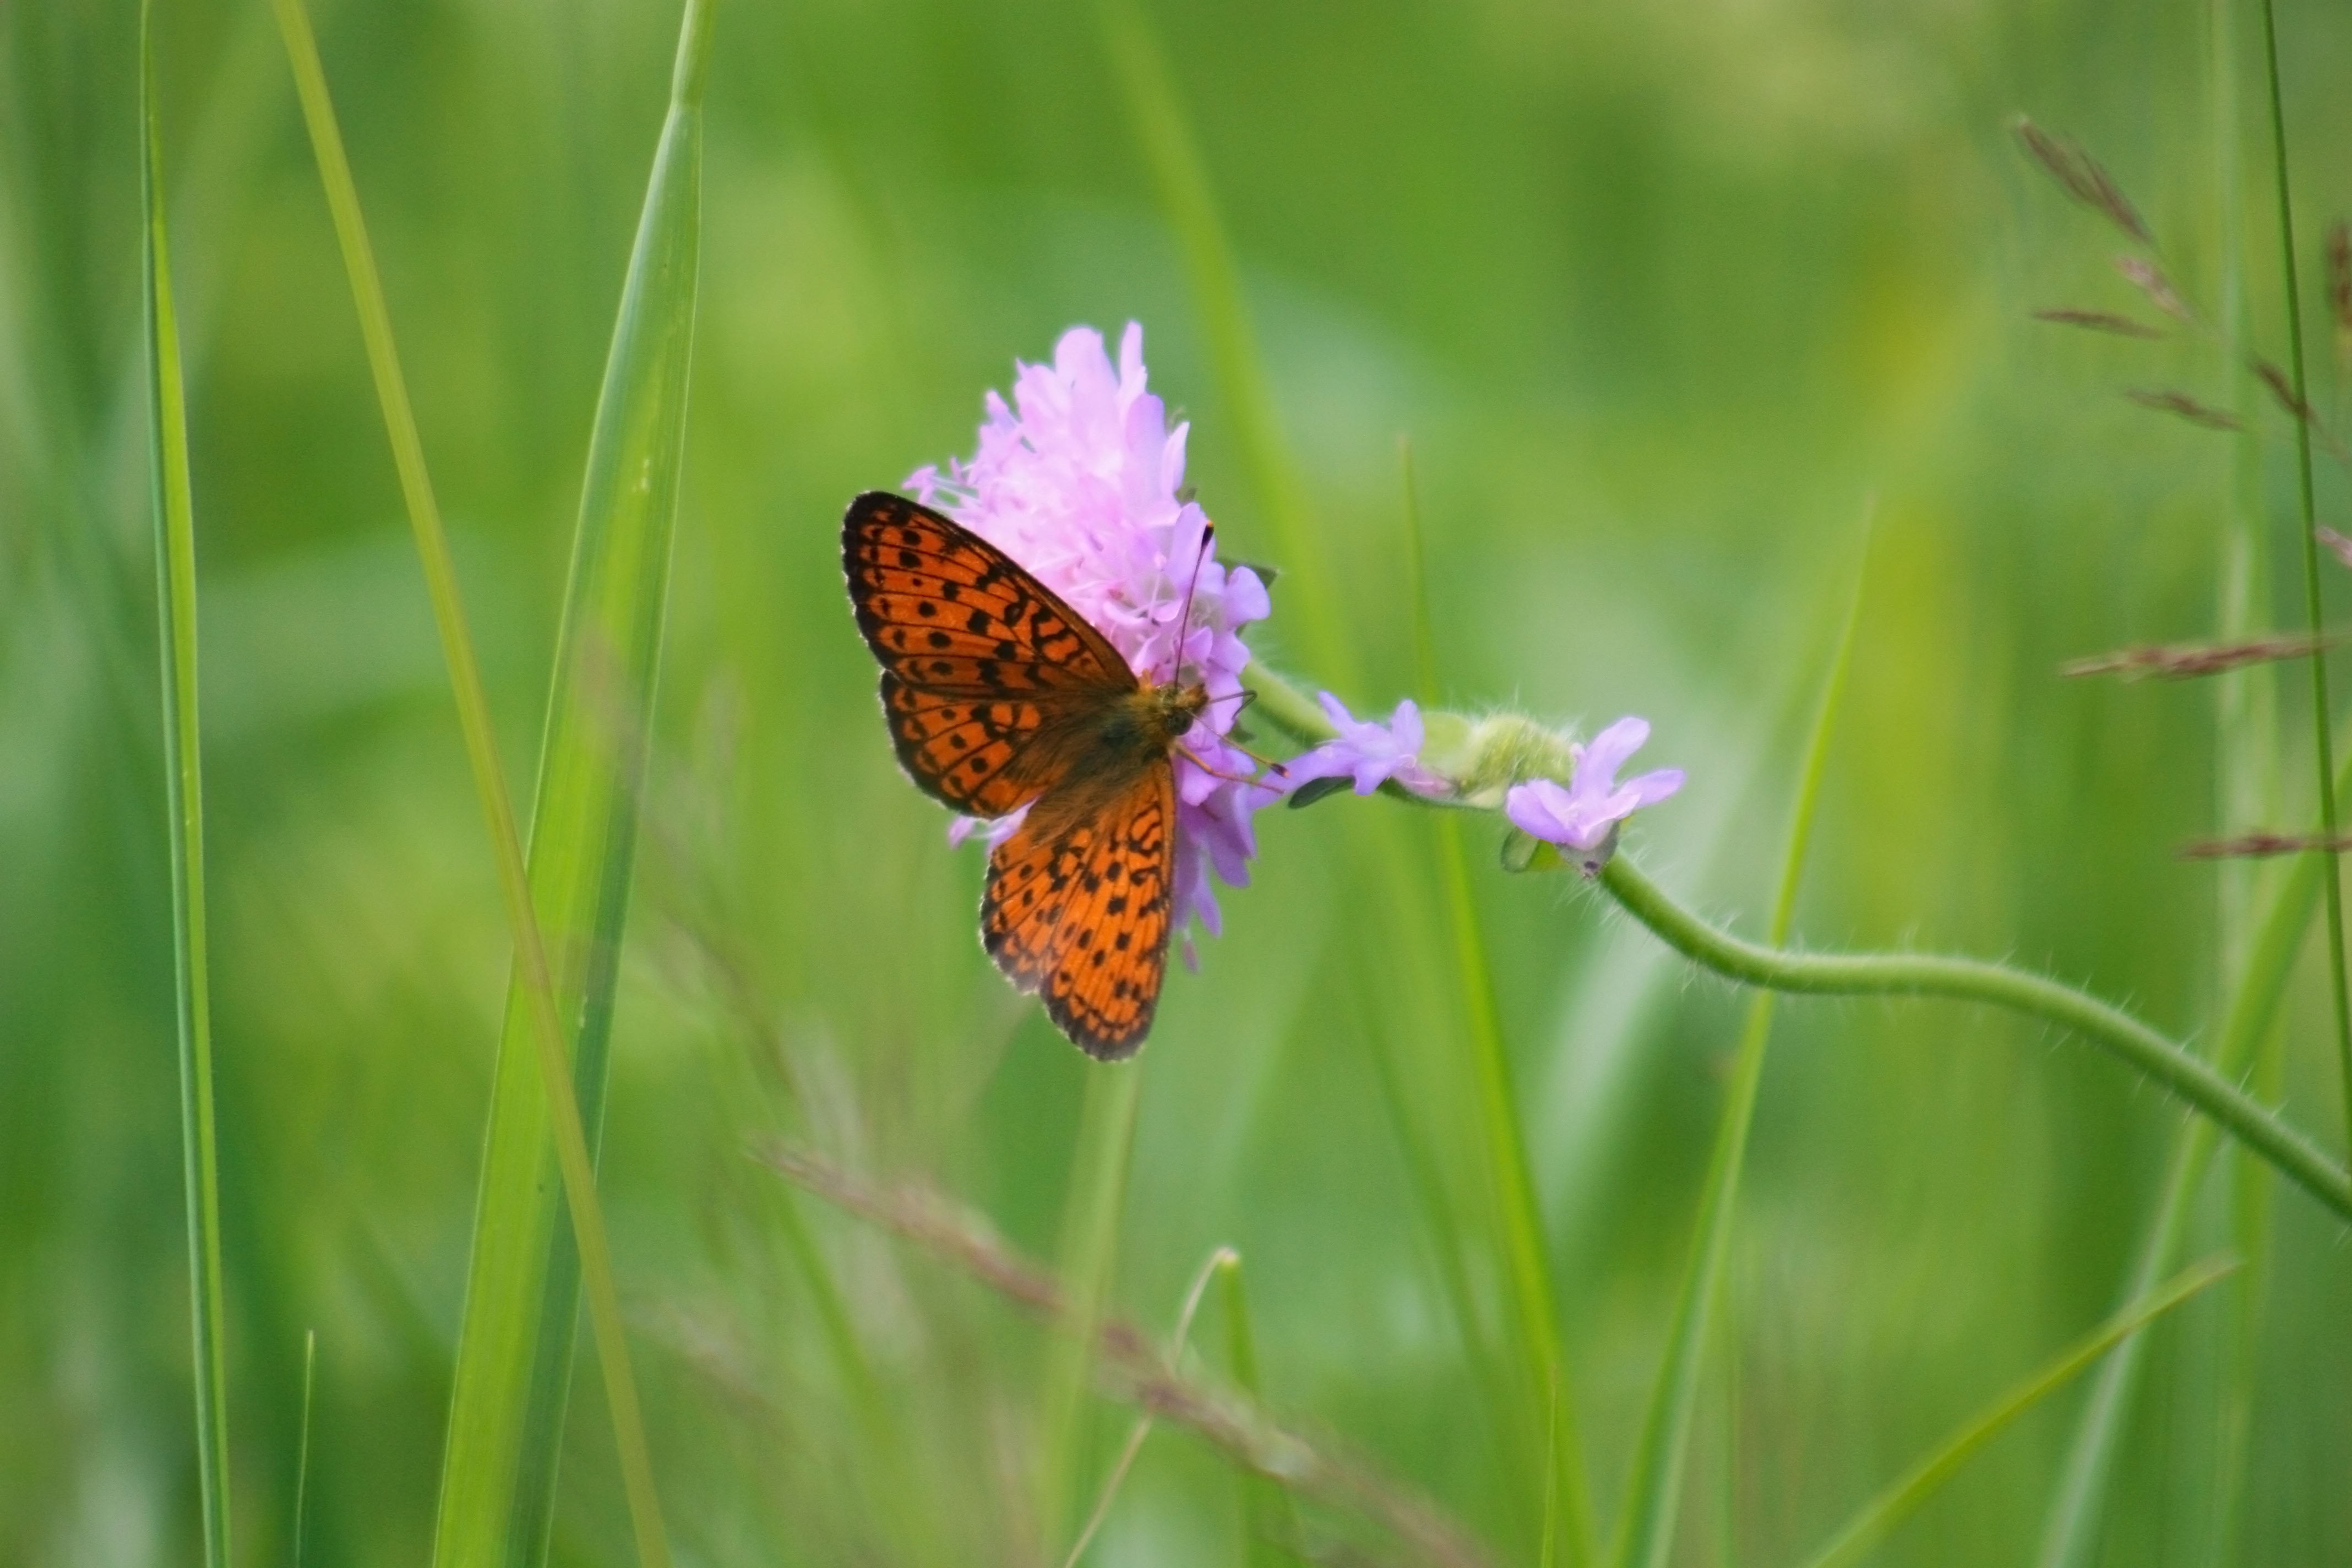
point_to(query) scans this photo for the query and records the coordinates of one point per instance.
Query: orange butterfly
(1000, 695)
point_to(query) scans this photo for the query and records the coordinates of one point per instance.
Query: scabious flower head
(1078, 480)
(1583, 816)
(1367, 751)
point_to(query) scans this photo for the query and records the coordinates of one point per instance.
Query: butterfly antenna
(1185, 619)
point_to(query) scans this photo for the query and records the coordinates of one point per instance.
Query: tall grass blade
(513, 1376)
(2323, 739)
(1645, 1532)
(499, 1463)
(176, 605)
(1879, 1517)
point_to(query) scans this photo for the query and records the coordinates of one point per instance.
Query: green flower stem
(1285, 706)
(2164, 1061)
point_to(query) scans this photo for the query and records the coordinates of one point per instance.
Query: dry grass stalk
(2083, 178)
(2283, 389)
(2335, 541)
(2189, 408)
(2297, 409)
(2184, 662)
(2100, 321)
(2262, 844)
(1134, 1369)
(2149, 279)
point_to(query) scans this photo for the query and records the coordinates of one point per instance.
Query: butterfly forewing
(945, 610)
(1080, 915)
(974, 753)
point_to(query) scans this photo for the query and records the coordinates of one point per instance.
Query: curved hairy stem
(2163, 1061)
(2156, 1056)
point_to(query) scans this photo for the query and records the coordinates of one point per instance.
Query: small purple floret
(1366, 751)
(1584, 815)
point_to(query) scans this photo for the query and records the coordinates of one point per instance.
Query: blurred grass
(513, 1385)
(1655, 292)
(1903, 1497)
(1653, 1490)
(497, 1470)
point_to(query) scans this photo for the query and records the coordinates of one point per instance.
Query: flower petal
(1610, 750)
(1650, 788)
(1539, 807)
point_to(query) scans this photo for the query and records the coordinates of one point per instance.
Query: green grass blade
(176, 602)
(1567, 1494)
(1879, 1517)
(1653, 1485)
(488, 1479)
(515, 1349)
(302, 1448)
(2323, 738)
(1269, 1514)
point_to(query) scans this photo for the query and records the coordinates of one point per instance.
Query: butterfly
(999, 696)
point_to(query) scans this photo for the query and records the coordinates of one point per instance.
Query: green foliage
(1657, 292)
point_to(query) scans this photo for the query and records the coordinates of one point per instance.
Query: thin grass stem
(302, 1448)
(2323, 736)
(1141, 1428)
(174, 501)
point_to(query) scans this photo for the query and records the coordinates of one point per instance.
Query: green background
(1663, 295)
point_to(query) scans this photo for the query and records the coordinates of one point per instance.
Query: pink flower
(1367, 751)
(1584, 815)
(1078, 480)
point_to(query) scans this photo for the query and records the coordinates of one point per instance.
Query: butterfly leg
(1189, 755)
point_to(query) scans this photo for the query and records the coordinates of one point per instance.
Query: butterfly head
(1170, 711)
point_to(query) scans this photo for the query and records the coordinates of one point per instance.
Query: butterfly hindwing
(946, 611)
(1079, 913)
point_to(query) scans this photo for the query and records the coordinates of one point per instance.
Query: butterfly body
(1002, 698)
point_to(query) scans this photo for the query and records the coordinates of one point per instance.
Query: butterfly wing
(1077, 910)
(986, 673)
